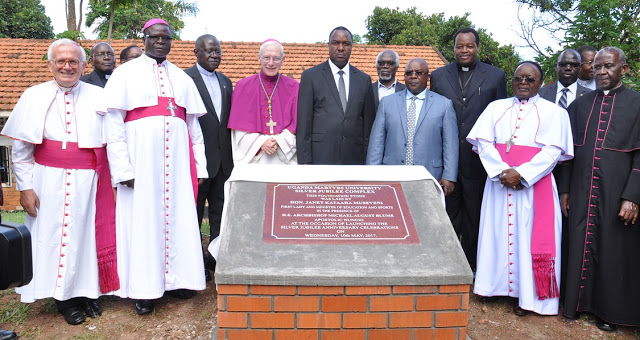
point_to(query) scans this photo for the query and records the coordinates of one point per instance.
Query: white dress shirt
(336, 76)
(213, 86)
(571, 94)
(384, 91)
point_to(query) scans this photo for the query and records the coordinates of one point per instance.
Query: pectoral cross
(271, 124)
(172, 107)
(509, 143)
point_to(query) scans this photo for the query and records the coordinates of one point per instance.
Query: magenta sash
(543, 244)
(162, 110)
(50, 153)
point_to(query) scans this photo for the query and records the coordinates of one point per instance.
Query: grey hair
(621, 56)
(64, 41)
(395, 54)
(93, 49)
(269, 43)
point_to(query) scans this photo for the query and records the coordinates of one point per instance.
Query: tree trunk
(80, 19)
(113, 6)
(71, 15)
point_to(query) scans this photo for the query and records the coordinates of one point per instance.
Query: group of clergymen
(510, 167)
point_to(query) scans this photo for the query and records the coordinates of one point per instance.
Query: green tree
(130, 15)
(598, 23)
(24, 19)
(388, 26)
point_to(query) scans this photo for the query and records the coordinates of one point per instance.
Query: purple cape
(249, 108)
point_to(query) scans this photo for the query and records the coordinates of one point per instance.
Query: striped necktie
(563, 98)
(411, 129)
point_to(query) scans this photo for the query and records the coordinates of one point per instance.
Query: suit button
(462, 124)
(462, 141)
(402, 161)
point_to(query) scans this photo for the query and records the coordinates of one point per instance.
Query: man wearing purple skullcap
(264, 112)
(156, 155)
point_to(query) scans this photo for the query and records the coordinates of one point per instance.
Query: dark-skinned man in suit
(387, 64)
(336, 108)
(215, 89)
(471, 85)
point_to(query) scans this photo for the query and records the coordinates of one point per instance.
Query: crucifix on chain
(172, 107)
(509, 143)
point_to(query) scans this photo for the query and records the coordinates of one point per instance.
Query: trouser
(211, 191)
(463, 208)
(63, 305)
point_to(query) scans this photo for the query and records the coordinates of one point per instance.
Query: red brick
(438, 302)
(319, 320)
(451, 319)
(273, 290)
(344, 304)
(388, 334)
(232, 290)
(249, 334)
(296, 304)
(296, 334)
(424, 333)
(221, 333)
(344, 334)
(272, 320)
(414, 289)
(455, 289)
(463, 333)
(446, 334)
(465, 302)
(368, 290)
(320, 290)
(232, 320)
(222, 306)
(410, 319)
(391, 303)
(248, 304)
(364, 320)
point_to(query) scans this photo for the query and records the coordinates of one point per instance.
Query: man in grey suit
(387, 64)
(417, 126)
(335, 108)
(215, 89)
(103, 60)
(566, 89)
(471, 85)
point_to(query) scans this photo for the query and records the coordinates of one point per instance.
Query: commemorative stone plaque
(338, 213)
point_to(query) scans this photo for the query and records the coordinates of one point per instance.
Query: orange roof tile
(22, 65)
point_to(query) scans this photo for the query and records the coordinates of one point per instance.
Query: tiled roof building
(22, 65)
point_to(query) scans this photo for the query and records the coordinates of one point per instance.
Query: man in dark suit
(567, 70)
(387, 64)
(104, 61)
(215, 89)
(417, 126)
(471, 85)
(336, 108)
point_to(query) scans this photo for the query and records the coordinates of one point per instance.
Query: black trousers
(63, 305)
(212, 191)
(463, 207)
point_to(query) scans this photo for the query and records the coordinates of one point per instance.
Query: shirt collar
(335, 69)
(422, 95)
(392, 86)
(152, 61)
(573, 88)
(205, 72)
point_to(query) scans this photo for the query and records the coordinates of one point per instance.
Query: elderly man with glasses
(65, 187)
(104, 61)
(264, 112)
(156, 155)
(387, 64)
(215, 89)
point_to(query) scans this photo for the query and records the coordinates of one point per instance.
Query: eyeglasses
(154, 38)
(565, 64)
(72, 62)
(529, 80)
(104, 54)
(266, 59)
(417, 73)
(386, 62)
(212, 52)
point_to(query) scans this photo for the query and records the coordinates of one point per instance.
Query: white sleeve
(197, 141)
(286, 145)
(491, 159)
(540, 165)
(22, 156)
(115, 136)
(246, 146)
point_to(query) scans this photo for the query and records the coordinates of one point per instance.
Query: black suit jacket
(488, 83)
(550, 92)
(327, 134)
(217, 137)
(94, 79)
(399, 87)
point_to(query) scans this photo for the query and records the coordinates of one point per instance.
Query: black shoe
(210, 262)
(73, 315)
(207, 275)
(7, 335)
(144, 307)
(519, 311)
(91, 307)
(181, 293)
(606, 326)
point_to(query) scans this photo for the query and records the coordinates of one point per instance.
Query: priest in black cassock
(600, 188)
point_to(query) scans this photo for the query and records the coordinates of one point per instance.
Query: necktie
(563, 98)
(342, 91)
(411, 127)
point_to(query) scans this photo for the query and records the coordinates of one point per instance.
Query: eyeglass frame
(67, 61)
(211, 53)
(155, 38)
(276, 59)
(418, 73)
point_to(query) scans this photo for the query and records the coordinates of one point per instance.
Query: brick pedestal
(342, 312)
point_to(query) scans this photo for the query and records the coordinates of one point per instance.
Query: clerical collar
(271, 79)
(205, 72)
(467, 68)
(73, 88)
(101, 74)
(531, 100)
(613, 91)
